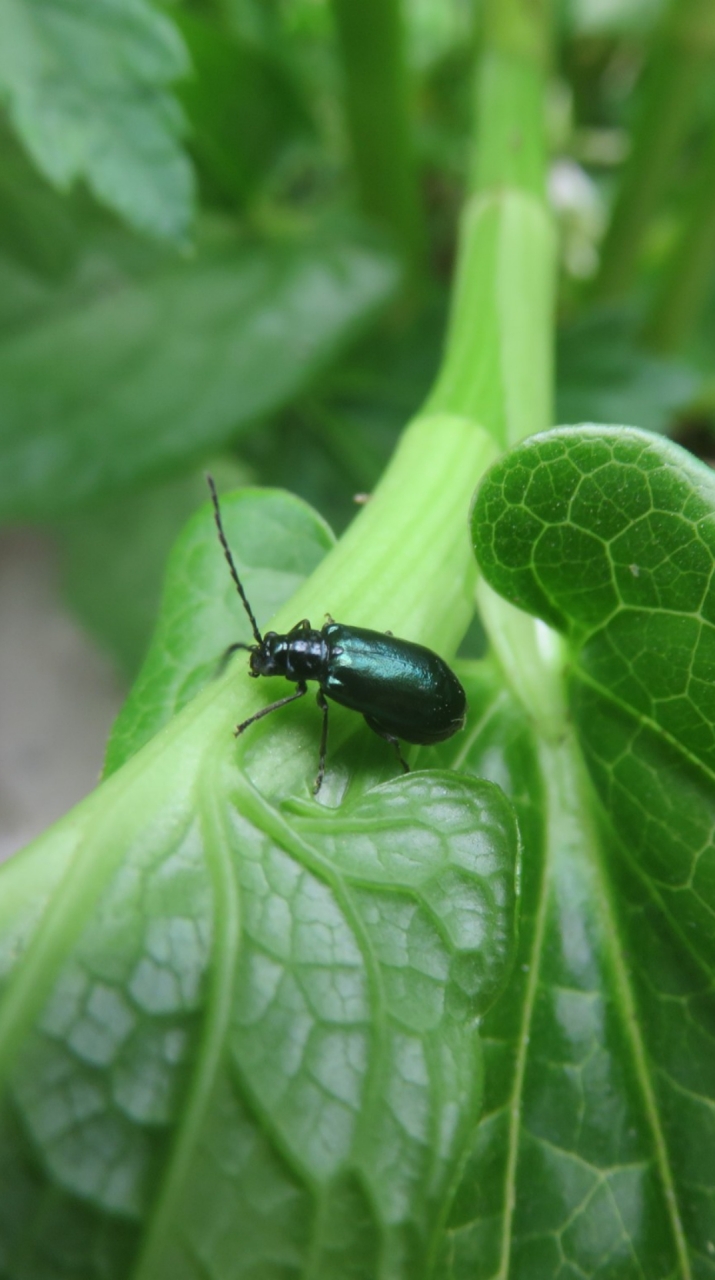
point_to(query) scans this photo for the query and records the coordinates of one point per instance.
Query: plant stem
(498, 365)
(510, 141)
(682, 53)
(687, 275)
(371, 41)
(405, 562)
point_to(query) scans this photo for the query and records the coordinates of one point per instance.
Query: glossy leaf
(238, 1035)
(594, 1157)
(88, 87)
(157, 370)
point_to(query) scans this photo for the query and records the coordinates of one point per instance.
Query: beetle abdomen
(402, 688)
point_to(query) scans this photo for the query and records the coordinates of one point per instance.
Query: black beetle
(402, 689)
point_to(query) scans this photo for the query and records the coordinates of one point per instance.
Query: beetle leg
(320, 699)
(393, 741)
(273, 706)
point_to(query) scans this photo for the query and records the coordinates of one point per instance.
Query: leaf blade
(562, 514)
(158, 371)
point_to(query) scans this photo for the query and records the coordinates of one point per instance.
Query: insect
(403, 690)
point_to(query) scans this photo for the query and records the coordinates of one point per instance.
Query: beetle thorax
(300, 655)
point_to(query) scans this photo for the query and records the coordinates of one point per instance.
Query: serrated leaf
(157, 371)
(594, 1156)
(88, 91)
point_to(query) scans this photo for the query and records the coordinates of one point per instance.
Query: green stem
(371, 41)
(498, 365)
(405, 563)
(499, 362)
(687, 276)
(510, 140)
(682, 54)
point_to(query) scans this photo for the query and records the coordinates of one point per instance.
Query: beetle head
(267, 658)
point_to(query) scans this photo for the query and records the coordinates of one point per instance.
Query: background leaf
(605, 374)
(337, 440)
(243, 107)
(88, 91)
(152, 371)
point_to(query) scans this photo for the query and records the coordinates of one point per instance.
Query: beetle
(403, 690)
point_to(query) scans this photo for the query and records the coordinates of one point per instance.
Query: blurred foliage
(273, 327)
(606, 375)
(88, 91)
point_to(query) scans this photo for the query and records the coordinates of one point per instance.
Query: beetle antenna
(231, 565)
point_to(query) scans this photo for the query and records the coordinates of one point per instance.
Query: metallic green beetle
(404, 690)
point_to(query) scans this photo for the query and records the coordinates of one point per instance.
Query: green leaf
(153, 372)
(594, 1157)
(87, 88)
(238, 1035)
(291, 1003)
(39, 227)
(276, 541)
(604, 375)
